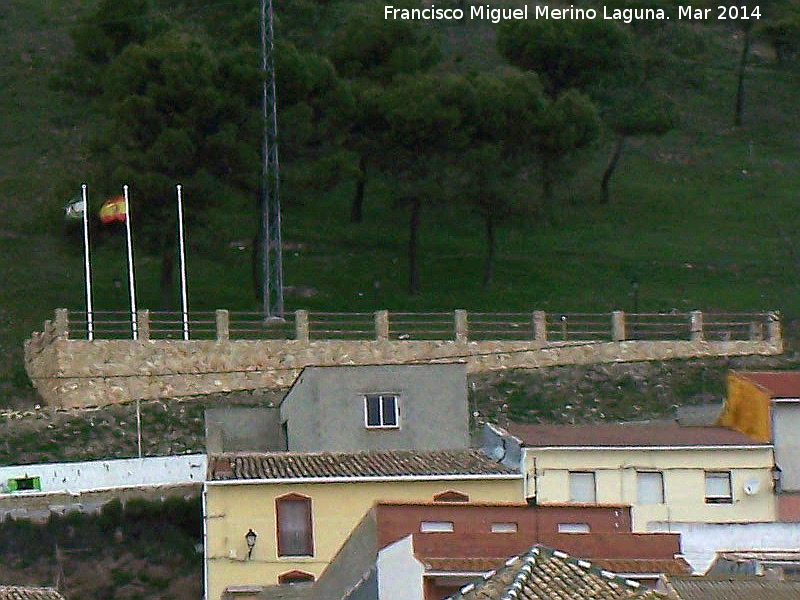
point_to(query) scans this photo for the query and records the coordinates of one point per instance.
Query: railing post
(696, 326)
(540, 326)
(301, 325)
(462, 326)
(756, 331)
(143, 320)
(774, 328)
(61, 323)
(223, 325)
(381, 325)
(618, 326)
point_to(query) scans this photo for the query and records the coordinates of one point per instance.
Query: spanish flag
(112, 210)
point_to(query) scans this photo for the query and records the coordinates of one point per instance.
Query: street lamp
(776, 473)
(250, 538)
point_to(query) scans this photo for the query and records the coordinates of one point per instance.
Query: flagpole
(184, 301)
(131, 286)
(87, 270)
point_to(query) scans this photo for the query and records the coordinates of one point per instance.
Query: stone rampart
(79, 373)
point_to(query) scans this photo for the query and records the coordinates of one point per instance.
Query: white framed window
(382, 411)
(649, 487)
(509, 527)
(573, 528)
(436, 527)
(718, 487)
(582, 487)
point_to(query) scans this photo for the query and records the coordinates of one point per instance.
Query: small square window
(582, 487)
(436, 527)
(718, 487)
(504, 528)
(649, 487)
(381, 411)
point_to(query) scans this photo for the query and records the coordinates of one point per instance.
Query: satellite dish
(751, 487)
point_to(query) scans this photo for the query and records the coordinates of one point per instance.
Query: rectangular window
(649, 487)
(504, 528)
(381, 411)
(436, 527)
(295, 536)
(718, 487)
(573, 528)
(582, 487)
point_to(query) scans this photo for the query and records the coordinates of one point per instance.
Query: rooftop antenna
(271, 248)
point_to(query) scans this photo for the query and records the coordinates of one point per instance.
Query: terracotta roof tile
(780, 384)
(676, 566)
(544, 574)
(751, 588)
(627, 434)
(391, 463)
(14, 592)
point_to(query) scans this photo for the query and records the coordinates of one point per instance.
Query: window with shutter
(295, 536)
(582, 487)
(718, 487)
(650, 487)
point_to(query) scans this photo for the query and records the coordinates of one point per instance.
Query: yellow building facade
(710, 485)
(234, 506)
(666, 472)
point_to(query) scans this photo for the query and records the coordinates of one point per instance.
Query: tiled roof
(676, 566)
(391, 463)
(627, 434)
(750, 588)
(543, 574)
(780, 384)
(14, 592)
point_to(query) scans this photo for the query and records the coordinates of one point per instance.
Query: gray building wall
(353, 567)
(243, 429)
(324, 410)
(785, 428)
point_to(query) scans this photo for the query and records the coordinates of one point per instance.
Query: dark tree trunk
(605, 198)
(357, 207)
(488, 274)
(737, 115)
(413, 268)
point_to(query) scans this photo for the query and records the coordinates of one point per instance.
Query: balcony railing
(458, 325)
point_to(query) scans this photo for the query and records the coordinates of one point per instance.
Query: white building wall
(79, 477)
(700, 542)
(399, 572)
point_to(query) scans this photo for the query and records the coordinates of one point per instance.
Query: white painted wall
(700, 542)
(79, 477)
(399, 572)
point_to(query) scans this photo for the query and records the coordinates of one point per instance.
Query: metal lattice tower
(271, 248)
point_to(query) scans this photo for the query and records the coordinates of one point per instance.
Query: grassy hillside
(704, 217)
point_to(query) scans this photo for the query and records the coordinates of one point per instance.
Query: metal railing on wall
(458, 325)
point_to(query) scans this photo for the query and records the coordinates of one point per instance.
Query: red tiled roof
(391, 463)
(779, 384)
(544, 574)
(15, 592)
(627, 434)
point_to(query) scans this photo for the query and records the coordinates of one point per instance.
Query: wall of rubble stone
(79, 373)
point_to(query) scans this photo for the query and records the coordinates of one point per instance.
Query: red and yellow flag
(112, 210)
